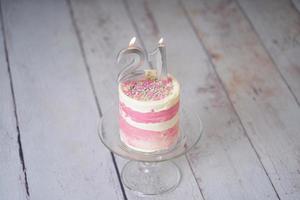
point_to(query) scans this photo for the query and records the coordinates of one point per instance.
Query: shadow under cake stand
(151, 173)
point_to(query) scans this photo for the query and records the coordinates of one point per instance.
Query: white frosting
(160, 126)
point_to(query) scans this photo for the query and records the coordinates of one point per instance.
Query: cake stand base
(151, 178)
(150, 173)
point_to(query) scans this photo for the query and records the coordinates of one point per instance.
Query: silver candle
(160, 61)
(130, 71)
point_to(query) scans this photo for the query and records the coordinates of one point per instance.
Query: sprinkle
(148, 89)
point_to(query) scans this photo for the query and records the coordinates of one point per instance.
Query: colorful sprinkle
(148, 89)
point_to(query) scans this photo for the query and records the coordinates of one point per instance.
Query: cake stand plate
(151, 173)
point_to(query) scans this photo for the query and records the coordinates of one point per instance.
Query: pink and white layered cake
(149, 118)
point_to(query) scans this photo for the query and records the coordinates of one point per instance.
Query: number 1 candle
(160, 59)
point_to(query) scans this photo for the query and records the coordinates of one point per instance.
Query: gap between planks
(268, 53)
(78, 172)
(288, 101)
(21, 155)
(77, 32)
(135, 27)
(226, 92)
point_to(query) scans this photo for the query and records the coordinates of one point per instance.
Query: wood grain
(278, 25)
(55, 104)
(12, 182)
(267, 110)
(104, 32)
(224, 163)
(243, 82)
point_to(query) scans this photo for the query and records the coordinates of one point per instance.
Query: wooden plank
(268, 111)
(104, 30)
(225, 165)
(278, 25)
(55, 104)
(12, 182)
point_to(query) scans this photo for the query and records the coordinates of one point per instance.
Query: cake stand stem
(151, 178)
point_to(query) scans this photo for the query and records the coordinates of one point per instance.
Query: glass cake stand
(151, 173)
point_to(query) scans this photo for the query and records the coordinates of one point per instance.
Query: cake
(149, 118)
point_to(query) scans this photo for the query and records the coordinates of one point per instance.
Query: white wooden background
(238, 63)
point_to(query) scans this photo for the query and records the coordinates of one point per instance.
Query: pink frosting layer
(150, 117)
(148, 140)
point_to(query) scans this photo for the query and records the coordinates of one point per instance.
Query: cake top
(149, 88)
